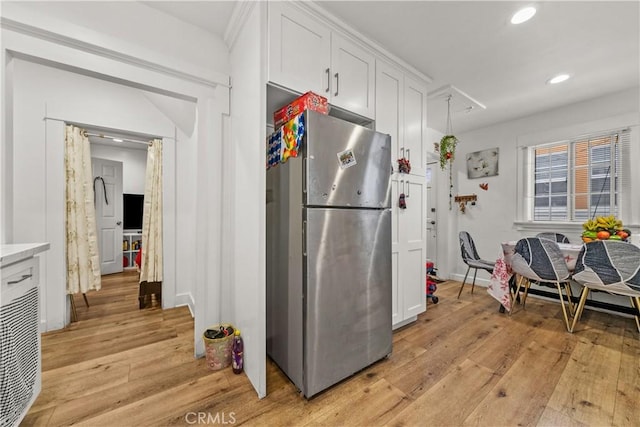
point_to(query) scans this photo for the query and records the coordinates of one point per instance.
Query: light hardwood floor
(461, 363)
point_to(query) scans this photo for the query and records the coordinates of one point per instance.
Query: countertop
(11, 253)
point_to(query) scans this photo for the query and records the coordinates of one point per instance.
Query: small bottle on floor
(237, 349)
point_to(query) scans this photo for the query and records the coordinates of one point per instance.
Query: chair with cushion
(610, 266)
(472, 259)
(540, 260)
(556, 237)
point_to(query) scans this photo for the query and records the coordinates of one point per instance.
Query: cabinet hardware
(408, 188)
(24, 277)
(328, 79)
(408, 154)
(337, 83)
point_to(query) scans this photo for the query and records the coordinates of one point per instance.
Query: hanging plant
(447, 150)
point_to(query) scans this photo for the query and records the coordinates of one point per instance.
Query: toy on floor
(431, 283)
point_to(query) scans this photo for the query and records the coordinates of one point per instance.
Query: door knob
(119, 223)
(433, 222)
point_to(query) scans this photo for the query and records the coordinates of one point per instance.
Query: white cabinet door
(299, 50)
(353, 77)
(414, 256)
(304, 55)
(390, 106)
(408, 248)
(397, 311)
(415, 125)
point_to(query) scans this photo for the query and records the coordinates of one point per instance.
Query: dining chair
(472, 259)
(610, 266)
(541, 260)
(556, 237)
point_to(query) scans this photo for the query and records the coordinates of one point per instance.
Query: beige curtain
(83, 261)
(151, 268)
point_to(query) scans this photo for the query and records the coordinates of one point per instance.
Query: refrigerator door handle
(304, 175)
(304, 238)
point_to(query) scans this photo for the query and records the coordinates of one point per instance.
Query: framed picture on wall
(483, 163)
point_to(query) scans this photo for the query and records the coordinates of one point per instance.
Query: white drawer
(18, 278)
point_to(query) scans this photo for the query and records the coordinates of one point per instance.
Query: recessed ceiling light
(117, 140)
(523, 15)
(558, 79)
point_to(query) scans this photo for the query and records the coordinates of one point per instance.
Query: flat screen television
(133, 206)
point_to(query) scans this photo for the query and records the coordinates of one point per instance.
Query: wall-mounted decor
(482, 163)
(463, 200)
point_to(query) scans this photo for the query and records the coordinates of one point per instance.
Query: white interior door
(108, 200)
(432, 202)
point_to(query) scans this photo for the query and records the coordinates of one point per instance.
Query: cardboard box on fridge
(308, 101)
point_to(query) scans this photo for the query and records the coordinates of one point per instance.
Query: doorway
(119, 166)
(107, 191)
(432, 211)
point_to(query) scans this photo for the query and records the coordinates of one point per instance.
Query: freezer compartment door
(346, 164)
(347, 293)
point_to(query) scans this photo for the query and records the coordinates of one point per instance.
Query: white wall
(443, 215)
(38, 182)
(492, 219)
(247, 293)
(129, 28)
(134, 165)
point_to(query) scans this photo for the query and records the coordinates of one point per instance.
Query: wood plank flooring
(461, 363)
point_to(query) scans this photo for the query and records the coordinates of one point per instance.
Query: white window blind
(579, 179)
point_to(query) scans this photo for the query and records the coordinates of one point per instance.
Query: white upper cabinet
(305, 55)
(390, 106)
(401, 111)
(299, 50)
(415, 125)
(353, 77)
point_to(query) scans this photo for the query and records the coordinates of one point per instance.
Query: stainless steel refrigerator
(329, 254)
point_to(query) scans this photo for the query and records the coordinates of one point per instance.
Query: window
(576, 180)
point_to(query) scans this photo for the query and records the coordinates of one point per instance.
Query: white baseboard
(404, 322)
(479, 281)
(186, 299)
(601, 298)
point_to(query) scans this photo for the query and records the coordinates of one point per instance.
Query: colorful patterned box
(308, 101)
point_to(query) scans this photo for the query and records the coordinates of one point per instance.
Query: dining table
(500, 278)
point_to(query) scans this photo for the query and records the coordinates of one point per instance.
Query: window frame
(569, 148)
(629, 206)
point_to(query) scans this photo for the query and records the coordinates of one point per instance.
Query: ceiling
(473, 46)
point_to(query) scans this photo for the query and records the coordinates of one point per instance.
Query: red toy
(431, 287)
